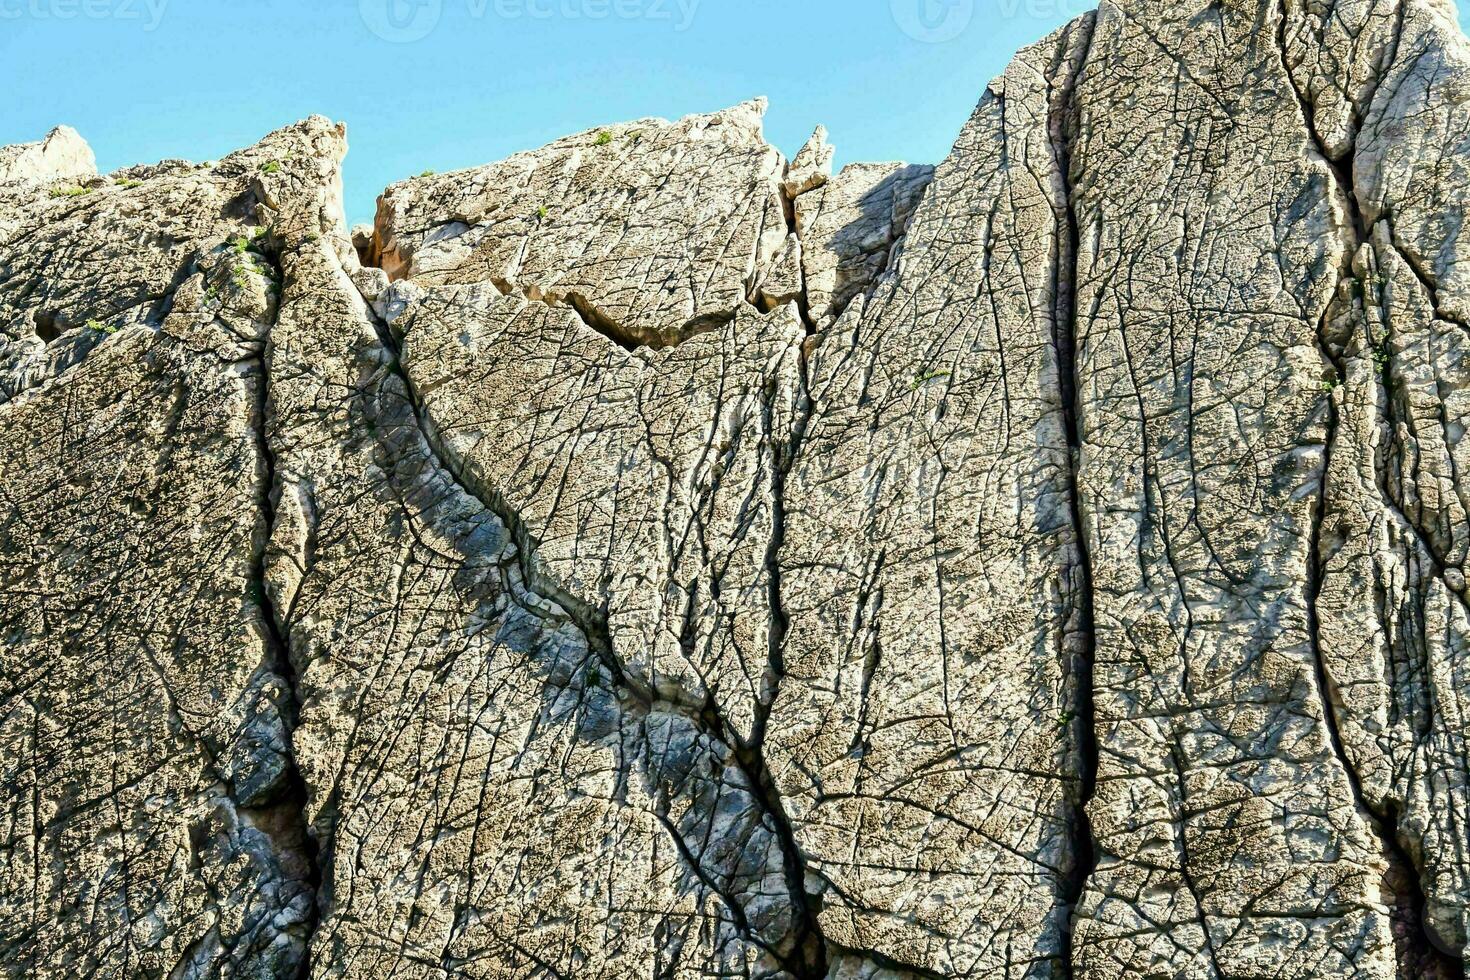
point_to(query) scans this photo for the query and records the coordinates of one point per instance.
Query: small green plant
(98, 327)
(240, 275)
(1066, 718)
(1381, 357)
(427, 173)
(924, 378)
(1329, 385)
(272, 167)
(127, 183)
(603, 138)
(70, 191)
(542, 213)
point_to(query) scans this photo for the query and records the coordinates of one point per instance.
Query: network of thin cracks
(810, 952)
(807, 957)
(806, 953)
(1422, 954)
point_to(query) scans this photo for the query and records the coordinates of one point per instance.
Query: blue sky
(442, 84)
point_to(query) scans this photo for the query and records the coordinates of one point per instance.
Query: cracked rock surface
(649, 557)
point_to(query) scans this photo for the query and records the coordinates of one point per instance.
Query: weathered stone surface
(811, 167)
(62, 155)
(649, 557)
(1229, 840)
(848, 229)
(666, 227)
(153, 822)
(1394, 539)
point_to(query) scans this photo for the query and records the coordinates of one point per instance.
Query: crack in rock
(649, 556)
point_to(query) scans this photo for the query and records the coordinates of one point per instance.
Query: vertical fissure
(1081, 642)
(294, 797)
(812, 947)
(1418, 956)
(793, 230)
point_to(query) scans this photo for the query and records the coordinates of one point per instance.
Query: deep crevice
(1418, 955)
(608, 327)
(294, 796)
(793, 230)
(628, 338)
(811, 945)
(1080, 644)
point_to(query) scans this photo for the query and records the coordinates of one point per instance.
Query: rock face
(62, 155)
(646, 557)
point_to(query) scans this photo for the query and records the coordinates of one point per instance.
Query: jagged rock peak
(61, 155)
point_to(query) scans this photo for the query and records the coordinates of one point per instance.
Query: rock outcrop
(62, 155)
(649, 557)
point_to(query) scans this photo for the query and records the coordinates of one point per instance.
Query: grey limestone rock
(649, 557)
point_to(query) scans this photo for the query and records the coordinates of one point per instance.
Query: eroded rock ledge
(650, 557)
